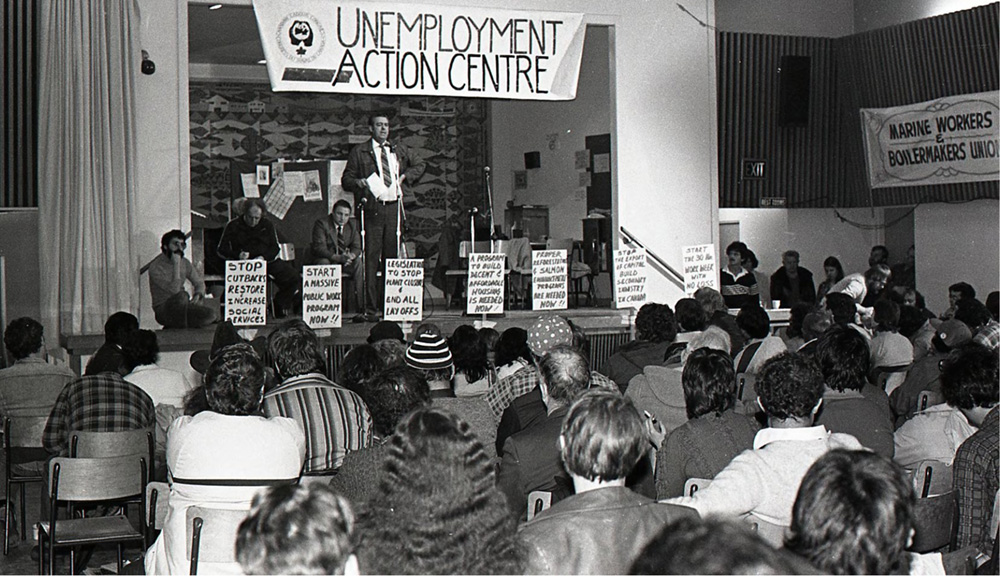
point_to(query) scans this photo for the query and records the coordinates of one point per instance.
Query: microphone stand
(363, 316)
(489, 209)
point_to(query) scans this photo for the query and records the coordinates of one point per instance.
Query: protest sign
(404, 289)
(246, 292)
(322, 296)
(548, 280)
(485, 284)
(630, 278)
(385, 48)
(699, 268)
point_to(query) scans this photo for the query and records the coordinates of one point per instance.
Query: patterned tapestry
(248, 122)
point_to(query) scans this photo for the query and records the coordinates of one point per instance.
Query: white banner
(944, 141)
(404, 289)
(699, 268)
(322, 296)
(420, 49)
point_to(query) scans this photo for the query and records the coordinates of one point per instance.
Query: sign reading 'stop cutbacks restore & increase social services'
(944, 141)
(420, 49)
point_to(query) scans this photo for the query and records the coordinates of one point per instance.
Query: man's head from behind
(754, 321)
(973, 313)
(709, 382)
(853, 515)
(790, 386)
(23, 337)
(843, 358)
(234, 381)
(564, 375)
(711, 300)
(295, 349)
(603, 437)
(119, 326)
(841, 307)
(297, 529)
(691, 316)
(969, 381)
(655, 323)
(141, 349)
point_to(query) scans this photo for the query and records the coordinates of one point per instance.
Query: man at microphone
(375, 173)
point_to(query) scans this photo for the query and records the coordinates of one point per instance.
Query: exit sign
(753, 169)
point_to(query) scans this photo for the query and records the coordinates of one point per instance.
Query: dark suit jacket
(361, 164)
(324, 239)
(531, 461)
(781, 287)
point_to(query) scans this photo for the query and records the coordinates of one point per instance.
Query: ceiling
(227, 36)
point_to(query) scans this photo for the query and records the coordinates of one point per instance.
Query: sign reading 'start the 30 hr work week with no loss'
(630, 278)
(548, 280)
(246, 292)
(485, 285)
(699, 268)
(322, 296)
(404, 289)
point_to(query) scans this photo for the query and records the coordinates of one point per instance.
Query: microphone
(487, 170)
(473, 211)
(364, 200)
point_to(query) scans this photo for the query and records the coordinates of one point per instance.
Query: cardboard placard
(246, 292)
(699, 268)
(485, 285)
(404, 289)
(630, 278)
(549, 280)
(322, 296)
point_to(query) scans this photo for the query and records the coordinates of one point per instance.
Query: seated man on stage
(375, 172)
(167, 274)
(336, 239)
(252, 236)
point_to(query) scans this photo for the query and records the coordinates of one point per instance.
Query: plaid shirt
(988, 335)
(975, 480)
(523, 381)
(100, 403)
(334, 419)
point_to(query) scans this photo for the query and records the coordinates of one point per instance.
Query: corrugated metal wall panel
(17, 100)
(823, 164)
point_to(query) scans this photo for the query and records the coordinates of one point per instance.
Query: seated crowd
(709, 444)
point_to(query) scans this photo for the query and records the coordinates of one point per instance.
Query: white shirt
(933, 434)
(163, 385)
(393, 192)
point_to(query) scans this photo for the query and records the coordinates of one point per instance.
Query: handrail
(673, 275)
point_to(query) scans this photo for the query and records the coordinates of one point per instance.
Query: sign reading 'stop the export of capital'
(417, 49)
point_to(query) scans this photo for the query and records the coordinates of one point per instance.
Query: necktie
(386, 176)
(340, 238)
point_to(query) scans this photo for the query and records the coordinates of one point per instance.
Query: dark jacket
(258, 241)
(324, 239)
(781, 287)
(601, 531)
(531, 462)
(631, 358)
(361, 164)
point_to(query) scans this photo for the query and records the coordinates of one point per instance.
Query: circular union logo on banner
(301, 37)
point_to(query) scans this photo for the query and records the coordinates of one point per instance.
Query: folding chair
(75, 480)
(936, 509)
(157, 503)
(538, 500)
(928, 398)
(212, 534)
(931, 477)
(22, 443)
(139, 442)
(692, 485)
(746, 386)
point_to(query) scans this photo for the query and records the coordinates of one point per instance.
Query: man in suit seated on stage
(336, 239)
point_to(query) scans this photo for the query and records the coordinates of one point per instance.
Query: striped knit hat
(428, 352)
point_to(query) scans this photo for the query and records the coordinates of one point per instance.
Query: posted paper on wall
(322, 296)
(404, 289)
(485, 285)
(548, 280)
(699, 268)
(246, 292)
(630, 278)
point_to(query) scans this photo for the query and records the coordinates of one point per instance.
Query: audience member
(914, 298)
(334, 419)
(972, 386)
(163, 385)
(890, 351)
(389, 395)
(792, 284)
(917, 328)
(761, 346)
(714, 546)
(361, 364)
(109, 357)
(956, 292)
(714, 434)
(925, 374)
(878, 255)
(655, 330)
(490, 337)
(936, 432)
(850, 404)
(985, 330)
(531, 457)
(738, 285)
(864, 287)
(392, 351)
(792, 334)
(763, 481)
(993, 304)
(845, 313)
(904, 274)
(604, 525)
(385, 330)
(718, 315)
(252, 236)
(512, 352)
(168, 273)
(833, 272)
(473, 373)
(29, 387)
(691, 320)
(436, 508)
(298, 529)
(854, 515)
(658, 390)
(814, 325)
(427, 328)
(214, 456)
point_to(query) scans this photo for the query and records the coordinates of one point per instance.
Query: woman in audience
(512, 352)
(390, 395)
(889, 349)
(473, 373)
(214, 454)
(360, 365)
(436, 509)
(834, 273)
